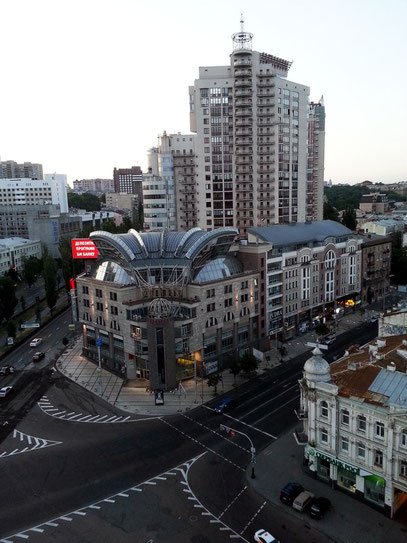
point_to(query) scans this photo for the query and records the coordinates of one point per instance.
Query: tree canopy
(8, 300)
(349, 218)
(87, 201)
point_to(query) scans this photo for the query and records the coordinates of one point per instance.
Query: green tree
(49, 275)
(103, 198)
(321, 329)
(71, 267)
(87, 201)
(330, 212)
(31, 270)
(248, 363)
(109, 226)
(343, 196)
(65, 341)
(11, 329)
(213, 381)
(8, 300)
(235, 368)
(349, 218)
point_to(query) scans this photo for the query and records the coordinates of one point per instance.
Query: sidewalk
(137, 400)
(348, 521)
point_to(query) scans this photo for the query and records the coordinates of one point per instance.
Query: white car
(35, 342)
(4, 391)
(261, 536)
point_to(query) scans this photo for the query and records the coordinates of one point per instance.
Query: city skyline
(91, 93)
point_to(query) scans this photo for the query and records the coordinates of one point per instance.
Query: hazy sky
(86, 85)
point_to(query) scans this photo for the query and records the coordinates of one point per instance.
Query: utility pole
(232, 431)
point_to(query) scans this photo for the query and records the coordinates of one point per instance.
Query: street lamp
(99, 344)
(385, 293)
(228, 429)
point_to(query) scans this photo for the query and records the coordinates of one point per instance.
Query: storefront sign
(84, 248)
(334, 461)
(210, 367)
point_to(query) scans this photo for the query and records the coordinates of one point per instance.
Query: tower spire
(242, 39)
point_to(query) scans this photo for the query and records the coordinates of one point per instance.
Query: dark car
(319, 507)
(5, 370)
(225, 405)
(38, 356)
(290, 492)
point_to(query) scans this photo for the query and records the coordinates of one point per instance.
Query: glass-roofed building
(162, 301)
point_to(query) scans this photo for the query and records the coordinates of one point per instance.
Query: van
(303, 500)
(225, 405)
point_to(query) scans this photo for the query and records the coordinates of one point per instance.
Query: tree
(12, 273)
(330, 212)
(248, 363)
(213, 381)
(49, 275)
(321, 329)
(71, 267)
(65, 341)
(349, 218)
(31, 270)
(8, 300)
(11, 329)
(87, 201)
(138, 218)
(235, 369)
(109, 226)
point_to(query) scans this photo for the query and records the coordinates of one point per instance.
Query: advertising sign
(84, 248)
(210, 367)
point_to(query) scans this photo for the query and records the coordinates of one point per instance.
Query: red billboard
(84, 248)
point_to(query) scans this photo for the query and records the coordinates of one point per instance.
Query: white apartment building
(25, 191)
(354, 416)
(251, 126)
(93, 185)
(13, 252)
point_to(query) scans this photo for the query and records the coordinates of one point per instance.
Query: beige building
(121, 200)
(376, 266)
(374, 203)
(354, 422)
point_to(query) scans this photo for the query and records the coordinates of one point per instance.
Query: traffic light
(227, 429)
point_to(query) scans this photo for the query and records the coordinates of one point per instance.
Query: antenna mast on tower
(242, 39)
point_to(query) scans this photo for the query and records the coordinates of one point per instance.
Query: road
(77, 469)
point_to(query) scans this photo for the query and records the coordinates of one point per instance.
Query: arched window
(324, 409)
(212, 321)
(244, 311)
(404, 437)
(330, 259)
(228, 317)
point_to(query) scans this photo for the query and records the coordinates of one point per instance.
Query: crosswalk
(46, 406)
(31, 443)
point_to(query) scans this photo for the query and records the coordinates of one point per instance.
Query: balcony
(243, 92)
(242, 72)
(265, 160)
(243, 141)
(264, 169)
(240, 131)
(262, 84)
(264, 114)
(243, 151)
(241, 102)
(243, 112)
(268, 93)
(242, 61)
(243, 122)
(244, 169)
(243, 83)
(259, 142)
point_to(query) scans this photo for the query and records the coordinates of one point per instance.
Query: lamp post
(195, 383)
(99, 344)
(228, 429)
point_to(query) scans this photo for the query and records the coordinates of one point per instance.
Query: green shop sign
(334, 461)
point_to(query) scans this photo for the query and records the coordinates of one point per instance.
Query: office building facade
(129, 180)
(9, 169)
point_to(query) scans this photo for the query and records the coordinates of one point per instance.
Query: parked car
(5, 370)
(319, 507)
(328, 339)
(5, 390)
(261, 536)
(225, 405)
(38, 356)
(303, 501)
(35, 342)
(290, 492)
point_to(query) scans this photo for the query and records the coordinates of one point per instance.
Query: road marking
(242, 422)
(269, 401)
(233, 501)
(275, 410)
(34, 443)
(217, 433)
(253, 517)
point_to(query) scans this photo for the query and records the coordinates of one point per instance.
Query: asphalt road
(145, 480)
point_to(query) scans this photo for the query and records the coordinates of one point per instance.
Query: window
(378, 458)
(404, 437)
(324, 435)
(324, 409)
(227, 289)
(244, 298)
(379, 430)
(86, 303)
(228, 302)
(245, 284)
(360, 450)
(98, 293)
(85, 290)
(345, 417)
(345, 444)
(212, 321)
(361, 423)
(113, 297)
(403, 468)
(210, 307)
(99, 306)
(210, 293)
(113, 310)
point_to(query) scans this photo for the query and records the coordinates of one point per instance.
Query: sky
(88, 85)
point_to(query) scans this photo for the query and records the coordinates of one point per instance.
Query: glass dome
(219, 269)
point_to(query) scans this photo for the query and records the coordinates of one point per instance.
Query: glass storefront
(374, 489)
(323, 469)
(346, 479)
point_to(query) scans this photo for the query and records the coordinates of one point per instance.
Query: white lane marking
(216, 433)
(253, 517)
(244, 423)
(295, 399)
(233, 501)
(202, 445)
(269, 401)
(33, 443)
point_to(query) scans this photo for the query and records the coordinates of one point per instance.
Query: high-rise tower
(251, 127)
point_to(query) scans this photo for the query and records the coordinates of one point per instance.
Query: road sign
(30, 325)
(71, 327)
(99, 342)
(319, 345)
